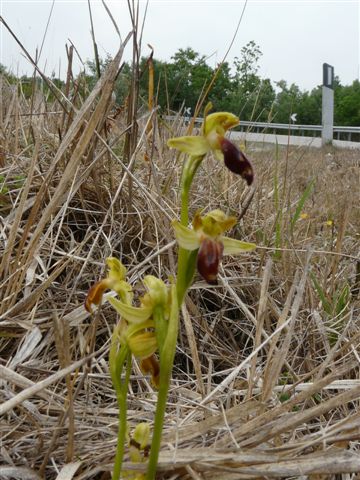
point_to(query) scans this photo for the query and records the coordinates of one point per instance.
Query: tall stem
(190, 168)
(159, 422)
(121, 388)
(166, 365)
(167, 350)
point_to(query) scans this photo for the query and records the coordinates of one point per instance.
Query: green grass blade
(300, 204)
(319, 290)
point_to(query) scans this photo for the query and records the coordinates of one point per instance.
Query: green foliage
(347, 101)
(284, 397)
(8, 184)
(287, 99)
(326, 304)
(277, 208)
(335, 306)
(300, 205)
(238, 87)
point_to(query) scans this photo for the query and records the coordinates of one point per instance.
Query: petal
(208, 259)
(235, 247)
(186, 237)
(191, 145)
(236, 161)
(130, 313)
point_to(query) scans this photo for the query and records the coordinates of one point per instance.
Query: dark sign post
(327, 104)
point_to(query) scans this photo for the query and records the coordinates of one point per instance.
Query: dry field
(266, 379)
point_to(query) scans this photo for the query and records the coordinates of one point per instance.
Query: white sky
(295, 37)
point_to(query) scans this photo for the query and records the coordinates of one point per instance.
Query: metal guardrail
(261, 127)
(279, 126)
(339, 131)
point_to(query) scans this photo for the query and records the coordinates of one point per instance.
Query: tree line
(237, 87)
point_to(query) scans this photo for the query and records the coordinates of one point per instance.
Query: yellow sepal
(192, 145)
(142, 434)
(186, 237)
(235, 247)
(117, 271)
(130, 313)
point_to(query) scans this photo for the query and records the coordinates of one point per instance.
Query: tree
(187, 76)
(347, 104)
(287, 102)
(309, 107)
(247, 67)
(250, 96)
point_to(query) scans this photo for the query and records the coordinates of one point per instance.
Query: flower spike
(213, 139)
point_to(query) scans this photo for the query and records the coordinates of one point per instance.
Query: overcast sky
(295, 37)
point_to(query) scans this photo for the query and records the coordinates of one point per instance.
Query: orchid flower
(207, 236)
(213, 139)
(137, 328)
(115, 281)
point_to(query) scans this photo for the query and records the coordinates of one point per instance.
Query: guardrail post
(327, 104)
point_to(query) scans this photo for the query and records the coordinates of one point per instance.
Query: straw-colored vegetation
(266, 379)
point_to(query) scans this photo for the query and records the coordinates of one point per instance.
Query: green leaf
(325, 303)
(342, 299)
(300, 204)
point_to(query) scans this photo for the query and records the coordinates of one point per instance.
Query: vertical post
(327, 104)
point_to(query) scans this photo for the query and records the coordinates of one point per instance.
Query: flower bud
(236, 161)
(208, 259)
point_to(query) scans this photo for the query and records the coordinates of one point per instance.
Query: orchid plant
(148, 330)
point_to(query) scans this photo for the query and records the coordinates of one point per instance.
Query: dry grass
(266, 379)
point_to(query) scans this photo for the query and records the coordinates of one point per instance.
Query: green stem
(121, 387)
(159, 421)
(167, 350)
(166, 365)
(191, 165)
(190, 168)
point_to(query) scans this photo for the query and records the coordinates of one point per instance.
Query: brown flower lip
(95, 294)
(151, 365)
(208, 259)
(236, 161)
